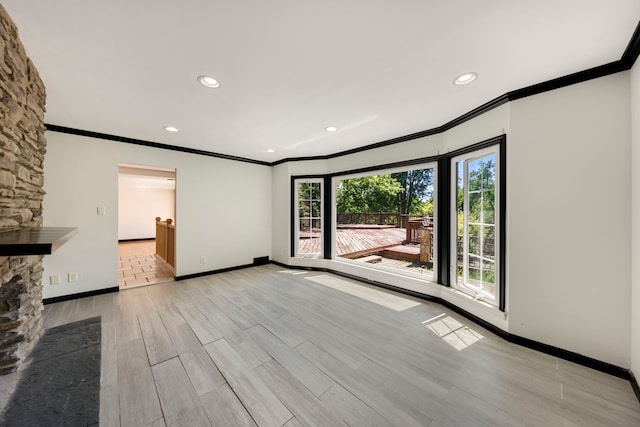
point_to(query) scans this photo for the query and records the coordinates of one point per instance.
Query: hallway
(138, 265)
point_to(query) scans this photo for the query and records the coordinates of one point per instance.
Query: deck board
(352, 242)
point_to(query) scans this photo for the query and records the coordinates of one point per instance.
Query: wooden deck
(403, 252)
(355, 242)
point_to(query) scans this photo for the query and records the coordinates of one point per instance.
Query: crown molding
(625, 63)
(127, 140)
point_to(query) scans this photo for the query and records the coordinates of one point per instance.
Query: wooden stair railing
(166, 240)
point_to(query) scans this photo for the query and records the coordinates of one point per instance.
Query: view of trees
(409, 192)
(481, 218)
(482, 173)
(309, 207)
(416, 197)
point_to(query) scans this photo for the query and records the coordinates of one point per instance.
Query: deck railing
(377, 218)
(166, 241)
(420, 232)
(486, 247)
(413, 230)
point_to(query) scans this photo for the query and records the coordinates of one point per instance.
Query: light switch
(102, 211)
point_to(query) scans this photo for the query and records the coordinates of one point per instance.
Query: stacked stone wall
(22, 152)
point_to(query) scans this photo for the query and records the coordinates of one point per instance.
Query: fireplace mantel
(34, 241)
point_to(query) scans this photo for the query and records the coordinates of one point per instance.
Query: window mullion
(465, 224)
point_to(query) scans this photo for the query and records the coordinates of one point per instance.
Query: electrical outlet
(73, 276)
(55, 279)
(202, 260)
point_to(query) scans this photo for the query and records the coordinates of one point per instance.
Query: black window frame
(445, 279)
(326, 214)
(443, 208)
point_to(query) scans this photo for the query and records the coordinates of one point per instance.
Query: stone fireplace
(22, 152)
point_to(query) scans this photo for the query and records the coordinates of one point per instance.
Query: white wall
(223, 209)
(138, 208)
(635, 219)
(568, 215)
(569, 218)
(280, 227)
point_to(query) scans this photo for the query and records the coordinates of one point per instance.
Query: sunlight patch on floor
(375, 296)
(454, 333)
(293, 272)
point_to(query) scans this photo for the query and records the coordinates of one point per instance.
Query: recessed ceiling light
(465, 79)
(208, 81)
(331, 128)
(171, 129)
(269, 150)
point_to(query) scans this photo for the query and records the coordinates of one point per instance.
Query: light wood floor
(271, 347)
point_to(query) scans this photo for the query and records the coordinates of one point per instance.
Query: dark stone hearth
(60, 386)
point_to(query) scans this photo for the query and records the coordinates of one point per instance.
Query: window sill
(477, 307)
(414, 283)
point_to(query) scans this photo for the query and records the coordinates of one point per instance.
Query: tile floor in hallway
(138, 265)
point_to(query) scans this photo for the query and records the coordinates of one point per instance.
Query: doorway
(145, 193)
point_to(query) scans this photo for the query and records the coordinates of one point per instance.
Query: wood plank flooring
(265, 347)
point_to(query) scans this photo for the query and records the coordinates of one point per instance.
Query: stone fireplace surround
(22, 153)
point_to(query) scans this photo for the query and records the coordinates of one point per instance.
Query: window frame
(466, 158)
(423, 163)
(444, 210)
(448, 253)
(295, 196)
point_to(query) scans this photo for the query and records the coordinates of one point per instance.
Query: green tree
(417, 189)
(482, 173)
(425, 208)
(375, 193)
(309, 199)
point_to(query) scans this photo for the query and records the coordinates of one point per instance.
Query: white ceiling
(146, 182)
(376, 69)
(141, 176)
